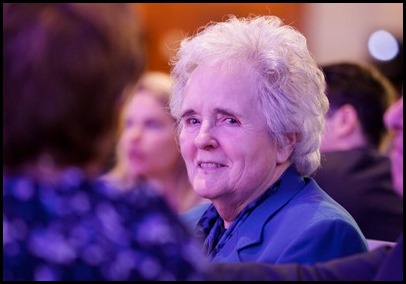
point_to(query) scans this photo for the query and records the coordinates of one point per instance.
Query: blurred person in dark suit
(353, 171)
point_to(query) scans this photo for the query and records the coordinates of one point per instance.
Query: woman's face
(394, 123)
(147, 146)
(224, 138)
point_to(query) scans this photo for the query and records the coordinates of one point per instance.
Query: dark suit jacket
(381, 264)
(298, 222)
(360, 180)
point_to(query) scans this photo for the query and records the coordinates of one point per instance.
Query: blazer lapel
(244, 235)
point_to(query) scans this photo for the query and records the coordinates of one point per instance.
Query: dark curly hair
(65, 67)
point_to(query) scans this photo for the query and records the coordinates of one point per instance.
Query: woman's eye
(153, 124)
(191, 121)
(231, 120)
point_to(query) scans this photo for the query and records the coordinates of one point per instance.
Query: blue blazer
(299, 222)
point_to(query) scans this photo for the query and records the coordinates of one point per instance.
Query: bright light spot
(383, 45)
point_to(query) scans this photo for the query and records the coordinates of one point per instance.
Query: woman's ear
(286, 148)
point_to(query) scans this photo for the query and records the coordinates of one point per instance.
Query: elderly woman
(250, 102)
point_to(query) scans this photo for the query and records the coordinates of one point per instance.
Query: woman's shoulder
(192, 216)
(94, 216)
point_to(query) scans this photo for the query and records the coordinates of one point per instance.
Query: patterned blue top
(78, 229)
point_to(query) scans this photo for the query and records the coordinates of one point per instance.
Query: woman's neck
(177, 190)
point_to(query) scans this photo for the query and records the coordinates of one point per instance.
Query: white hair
(290, 86)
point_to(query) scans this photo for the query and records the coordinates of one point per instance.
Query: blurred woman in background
(147, 149)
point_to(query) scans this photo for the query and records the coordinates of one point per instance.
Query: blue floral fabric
(78, 229)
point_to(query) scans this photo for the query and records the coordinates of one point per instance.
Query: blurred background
(365, 33)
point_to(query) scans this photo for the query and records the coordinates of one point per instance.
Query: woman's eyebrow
(224, 111)
(188, 112)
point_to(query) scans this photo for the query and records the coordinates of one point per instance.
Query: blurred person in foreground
(147, 150)
(65, 67)
(353, 171)
(250, 102)
(381, 264)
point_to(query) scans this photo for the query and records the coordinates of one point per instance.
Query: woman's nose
(205, 138)
(136, 132)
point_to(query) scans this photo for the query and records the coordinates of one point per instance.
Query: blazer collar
(291, 182)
